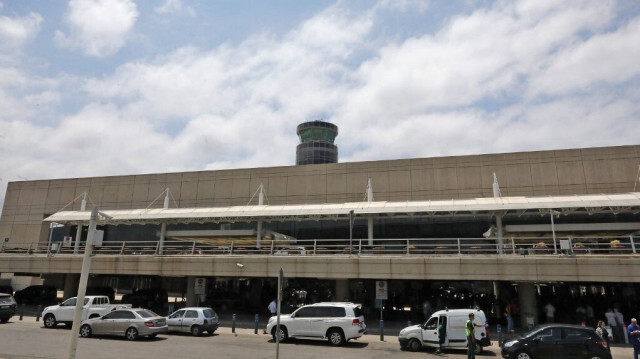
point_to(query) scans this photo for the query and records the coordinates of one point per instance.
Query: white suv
(339, 322)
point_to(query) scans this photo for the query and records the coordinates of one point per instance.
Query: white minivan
(454, 320)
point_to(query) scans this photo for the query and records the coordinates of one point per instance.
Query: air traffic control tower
(316, 143)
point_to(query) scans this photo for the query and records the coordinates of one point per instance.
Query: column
(192, 299)
(71, 281)
(527, 303)
(342, 290)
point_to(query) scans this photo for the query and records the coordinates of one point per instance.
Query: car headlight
(509, 344)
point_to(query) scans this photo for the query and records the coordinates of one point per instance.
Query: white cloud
(528, 75)
(98, 27)
(15, 32)
(175, 7)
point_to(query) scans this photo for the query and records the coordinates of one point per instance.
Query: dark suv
(37, 294)
(562, 341)
(155, 299)
(7, 307)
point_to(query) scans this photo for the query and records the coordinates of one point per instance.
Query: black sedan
(557, 341)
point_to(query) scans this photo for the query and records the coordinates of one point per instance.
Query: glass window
(357, 311)
(191, 314)
(550, 334)
(209, 313)
(120, 314)
(577, 334)
(6, 299)
(145, 313)
(432, 323)
(71, 302)
(337, 312)
(177, 314)
(306, 312)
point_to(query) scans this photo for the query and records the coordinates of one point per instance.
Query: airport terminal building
(480, 230)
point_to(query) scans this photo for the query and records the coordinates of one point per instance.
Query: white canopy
(597, 203)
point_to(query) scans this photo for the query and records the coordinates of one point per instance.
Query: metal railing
(577, 246)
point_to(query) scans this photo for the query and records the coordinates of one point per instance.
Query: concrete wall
(501, 268)
(577, 171)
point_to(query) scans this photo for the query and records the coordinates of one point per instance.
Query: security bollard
(38, 313)
(21, 310)
(233, 323)
(381, 330)
(255, 328)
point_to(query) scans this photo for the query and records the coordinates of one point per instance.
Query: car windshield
(6, 299)
(146, 313)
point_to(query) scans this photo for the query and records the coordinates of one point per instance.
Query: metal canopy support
(497, 194)
(163, 225)
(83, 207)
(259, 229)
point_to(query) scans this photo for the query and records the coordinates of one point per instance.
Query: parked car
(338, 322)
(194, 320)
(426, 335)
(102, 290)
(156, 300)
(132, 323)
(557, 341)
(37, 294)
(94, 306)
(8, 307)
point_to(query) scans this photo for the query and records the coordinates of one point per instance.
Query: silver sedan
(132, 323)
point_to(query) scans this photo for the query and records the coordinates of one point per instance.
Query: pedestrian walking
(620, 328)
(603, 333)
(273, 307)
(442, 333)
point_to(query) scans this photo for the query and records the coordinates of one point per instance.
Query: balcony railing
(539, 246)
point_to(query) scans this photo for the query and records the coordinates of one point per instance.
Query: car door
(430, 331)
(122, 322)
(190, 318)
(66, 310)
(174, 321)
(299, 325)
(548, 344)
(576, 343)
(104, 324)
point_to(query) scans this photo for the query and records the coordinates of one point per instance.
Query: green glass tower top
(316, 143)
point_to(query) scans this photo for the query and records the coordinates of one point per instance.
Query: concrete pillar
(192, 298)
(342, 290)
(527, 303)
(71, 281)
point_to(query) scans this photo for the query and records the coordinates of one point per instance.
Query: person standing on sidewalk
(620, 329)
(273, 308)
(634, 336)
(603, 333)
(471, 336)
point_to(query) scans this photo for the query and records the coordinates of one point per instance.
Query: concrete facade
(574, 171)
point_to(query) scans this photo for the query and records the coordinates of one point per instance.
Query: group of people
(633, 333)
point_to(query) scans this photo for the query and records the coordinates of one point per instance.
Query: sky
(117, 87)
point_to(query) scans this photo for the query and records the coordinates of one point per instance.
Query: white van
(417, 336)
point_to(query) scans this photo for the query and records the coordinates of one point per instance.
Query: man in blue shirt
(634, 336)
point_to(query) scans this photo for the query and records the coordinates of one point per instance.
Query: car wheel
(523, 355)
(131, 334)
(414, 345)
(283, 333)
(85, 331)
(196, 331)
(50, 321)
(336, 337)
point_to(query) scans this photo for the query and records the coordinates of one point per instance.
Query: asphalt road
(29, 339)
